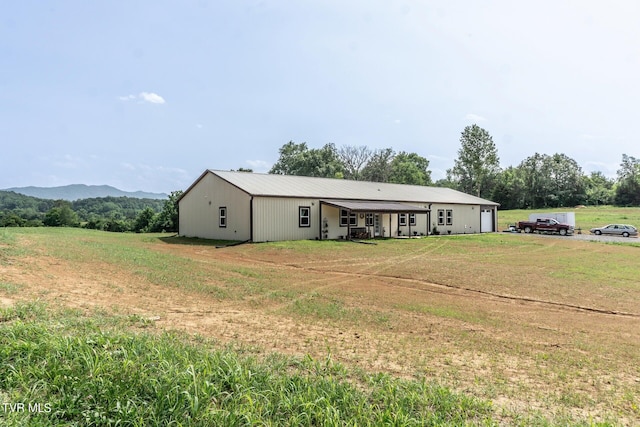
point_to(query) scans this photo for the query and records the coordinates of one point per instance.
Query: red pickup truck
(545, 225)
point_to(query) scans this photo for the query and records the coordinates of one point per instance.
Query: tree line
(355, 163)
(539, 181)
(100, 213)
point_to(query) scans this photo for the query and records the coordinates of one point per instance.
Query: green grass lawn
(94, 368)
(69, 369)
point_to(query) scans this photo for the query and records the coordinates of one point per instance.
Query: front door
(376, 225)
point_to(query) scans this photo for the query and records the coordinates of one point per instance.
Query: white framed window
(412, 219)
(222, 216)
(402, 219)
(368, 220)
(304, 216)
(440, 216)
(347, 219)
(449, 216)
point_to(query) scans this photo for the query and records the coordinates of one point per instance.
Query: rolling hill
(82, 191)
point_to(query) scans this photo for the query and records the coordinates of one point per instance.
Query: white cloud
(150, 97)
(474, 118)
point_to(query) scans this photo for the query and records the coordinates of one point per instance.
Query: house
(264, 207)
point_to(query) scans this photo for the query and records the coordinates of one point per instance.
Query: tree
(552, 181)
(477, 164)
(536, 181)
(445, 183)
(117, 224)
(95, 222)
(410, 168)
(298, 159)
(144, 220)
(61, 215)
(11, 220)
(509, 189)
(168, 218)
(93, 213)
(567, 181)
(324, 162)
(291, 159)
(628, 184)
(353, 160)
(378, 168)
(599, 189)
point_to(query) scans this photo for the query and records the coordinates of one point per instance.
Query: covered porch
(348, 219)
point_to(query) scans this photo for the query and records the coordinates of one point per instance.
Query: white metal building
(263, 207)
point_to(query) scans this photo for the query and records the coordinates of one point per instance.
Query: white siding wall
(420, 227)
(466, 218)
(390, 222)
(276, 218)
(332, 214)
(199, 210)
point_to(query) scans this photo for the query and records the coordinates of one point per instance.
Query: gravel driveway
(587, 236)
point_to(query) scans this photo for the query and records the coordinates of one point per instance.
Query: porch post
(428, 215)
(366, 223)
(320, 220)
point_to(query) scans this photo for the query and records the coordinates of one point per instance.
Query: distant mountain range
(81, 191)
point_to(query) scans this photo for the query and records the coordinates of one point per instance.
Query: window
(304, 216)
(412, 219)
(440, 216)
(402, 218)
(346, 218)
(369, 220)
(222, 217)
(449, 216)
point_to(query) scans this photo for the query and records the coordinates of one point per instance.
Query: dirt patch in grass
(528, 341)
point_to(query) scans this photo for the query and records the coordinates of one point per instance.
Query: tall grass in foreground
(86, 371)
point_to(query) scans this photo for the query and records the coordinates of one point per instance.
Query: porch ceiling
(374, 206)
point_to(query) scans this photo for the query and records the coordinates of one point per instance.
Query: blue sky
(146, 95)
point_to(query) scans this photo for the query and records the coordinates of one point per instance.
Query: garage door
(486, 221)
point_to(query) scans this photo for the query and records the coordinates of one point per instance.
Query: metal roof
(258, 184)
(379, 207)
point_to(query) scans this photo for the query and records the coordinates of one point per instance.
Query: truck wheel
(563, 232)
(527, 229)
